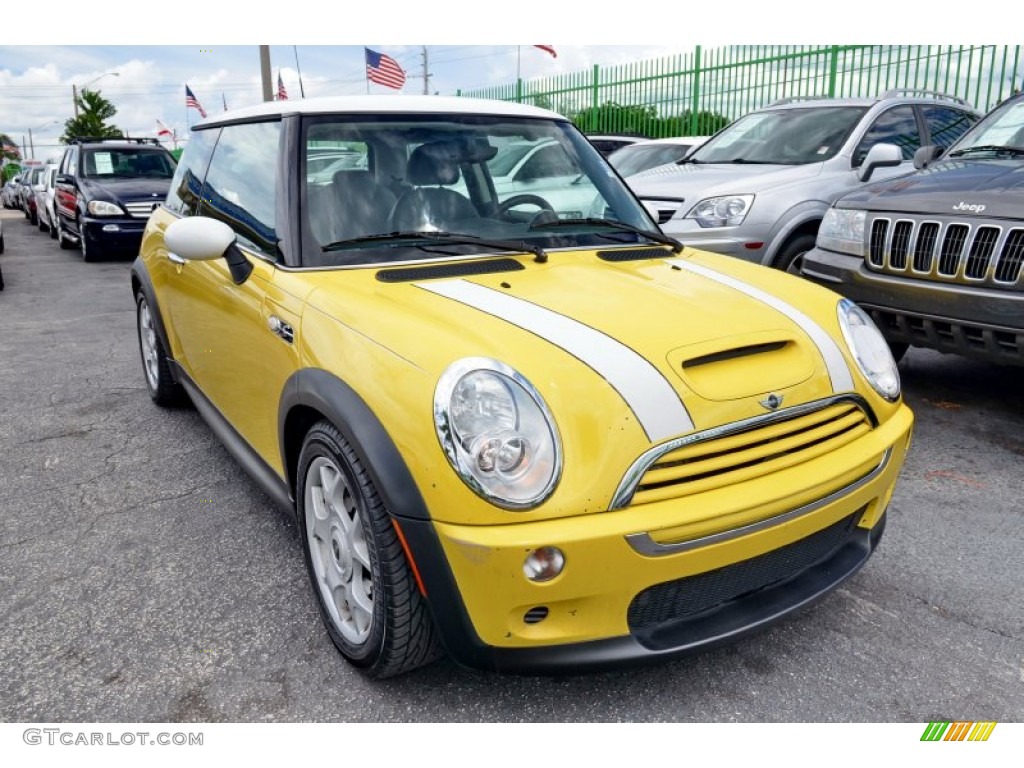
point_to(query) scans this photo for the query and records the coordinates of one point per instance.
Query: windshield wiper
(657, 237)
(438, 238)
(988, 148)
(743, 161)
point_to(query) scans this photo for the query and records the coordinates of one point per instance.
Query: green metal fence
(695, 93)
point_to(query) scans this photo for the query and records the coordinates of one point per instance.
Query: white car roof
(382, 104)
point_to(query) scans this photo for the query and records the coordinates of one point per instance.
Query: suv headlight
(103, 208)
(497, 433)
(727, 211)
(842, 230)
(870, 350)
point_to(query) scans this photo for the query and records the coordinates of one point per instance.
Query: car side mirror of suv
(64, 178)
(927, 155)
(879, 156)
(199, 238)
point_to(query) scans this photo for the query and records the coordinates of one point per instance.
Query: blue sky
(470, 45)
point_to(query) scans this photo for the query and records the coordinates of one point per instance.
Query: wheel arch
(804, 219)
(141, 282)
(312, 394)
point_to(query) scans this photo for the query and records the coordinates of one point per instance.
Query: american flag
(383, 70)
(190, 101)
(548, 49)
(282, 94)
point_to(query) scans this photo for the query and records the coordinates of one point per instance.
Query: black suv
(937, 257)
(105, 191)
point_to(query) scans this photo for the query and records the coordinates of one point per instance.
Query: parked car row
(827, 189)
(98, 197)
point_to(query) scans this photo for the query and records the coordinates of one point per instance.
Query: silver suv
(759, 188)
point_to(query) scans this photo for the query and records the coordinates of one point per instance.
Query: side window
(548, 162)
(896, 126)
(71, 162)
(946, 124)
(187, 184)
(241, 184)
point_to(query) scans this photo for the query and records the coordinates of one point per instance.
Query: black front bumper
(978, 322)
(113, 237)
(840, 550)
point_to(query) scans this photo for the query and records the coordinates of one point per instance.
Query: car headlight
(870, 350)
(842, 230)
(727, 211)
(497, 433)
(103, 208)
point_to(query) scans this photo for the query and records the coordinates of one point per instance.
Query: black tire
(43, 226)
(163, 389)
(62, 239)
(401, 635)
(791, 256)
(1, 243)
(88, 254)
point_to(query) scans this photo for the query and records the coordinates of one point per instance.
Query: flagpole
(302, 91)
(519, 50)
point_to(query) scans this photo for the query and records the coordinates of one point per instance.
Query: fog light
(544, 564)
(111, 228)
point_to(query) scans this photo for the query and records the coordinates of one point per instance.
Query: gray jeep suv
(759, 188)
(937, 257)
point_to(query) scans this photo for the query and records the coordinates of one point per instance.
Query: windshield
(435, 174)
(1002, 127)
(640, 157)
(794, 136)
(128, 163)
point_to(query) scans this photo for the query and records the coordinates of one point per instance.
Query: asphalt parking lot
(144, 577)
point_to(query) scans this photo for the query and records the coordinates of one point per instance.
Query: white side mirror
(198, 238)
(879, 156)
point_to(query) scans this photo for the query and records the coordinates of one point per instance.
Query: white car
(46, 214)
(644, 155)
(530, 173)
(608, 143)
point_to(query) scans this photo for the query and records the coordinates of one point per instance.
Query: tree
(94, 111)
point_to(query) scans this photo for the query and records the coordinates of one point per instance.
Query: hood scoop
(736, 367)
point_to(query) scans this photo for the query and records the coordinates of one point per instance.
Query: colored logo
(958, 731)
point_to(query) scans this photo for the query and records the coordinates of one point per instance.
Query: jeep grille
(949, 251)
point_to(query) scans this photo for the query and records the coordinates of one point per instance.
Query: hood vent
(634, 254)
(441, 271)
(731, 354)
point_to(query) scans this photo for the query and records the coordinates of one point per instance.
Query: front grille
(693, 595)
(949, 251)
(760, 450)
(142, 210)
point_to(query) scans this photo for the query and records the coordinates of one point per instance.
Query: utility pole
(74, 96)
(426, 73)
(31, 146)
(268, 92)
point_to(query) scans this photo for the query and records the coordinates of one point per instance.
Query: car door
(236, 341)
(65, 195)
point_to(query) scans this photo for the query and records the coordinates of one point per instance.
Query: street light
(31, 145)
(74, 88)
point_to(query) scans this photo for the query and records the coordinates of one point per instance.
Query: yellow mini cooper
(514, 421)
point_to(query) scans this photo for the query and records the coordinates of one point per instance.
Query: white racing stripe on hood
(835, 363)
(651, 398)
